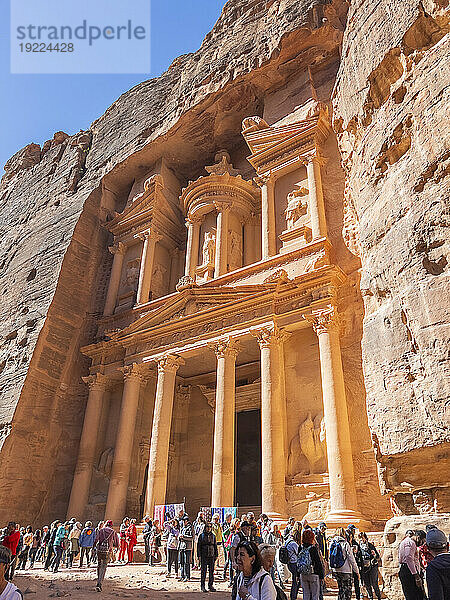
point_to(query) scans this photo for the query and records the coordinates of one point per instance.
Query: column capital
(263, 179)
(269, 334)
(97, 380)
(151, 234)
(316, 157)
(183, 393)
(222, 206)
(225, 347)
(118, 248)
(192, 220)
(134, 371)
(324, 319)
(169, 363)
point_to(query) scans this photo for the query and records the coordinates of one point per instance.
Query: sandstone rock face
(391, 114)
(53, 252)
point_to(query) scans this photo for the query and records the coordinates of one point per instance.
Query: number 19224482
(43, 47)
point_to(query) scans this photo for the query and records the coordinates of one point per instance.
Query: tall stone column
(193, 242)
(88, 444)
(118, 250)
(222, 491)
(150, 239)
(120, 474)
(162, 419)
(339, 450)
(270, 341)
(268, 230)
(221, 260)
(316, 203)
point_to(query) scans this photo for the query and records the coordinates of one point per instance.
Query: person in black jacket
(146, 534)
(207, 554)
(351, 539)
(438, 569)
(371, 561)
(311, 582)
(49, 540)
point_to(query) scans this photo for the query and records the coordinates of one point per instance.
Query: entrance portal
(248, 463)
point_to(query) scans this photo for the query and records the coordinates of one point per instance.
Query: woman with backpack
(310, 566)
(371, 561)
(253, 582)
(343, 564)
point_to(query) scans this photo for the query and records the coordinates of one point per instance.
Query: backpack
(103, 546)
(304, 562)
(337, 558)
(366, 556)
(280, 594)
(283, 555)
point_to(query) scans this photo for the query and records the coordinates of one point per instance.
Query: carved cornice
(226, 347)
(169, 363)
(97, 381)
(153, 180)
(269, 335)
(185, 282)
(152, 234)
(324, 320)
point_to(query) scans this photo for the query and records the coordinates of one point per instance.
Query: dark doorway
(248, 463)
(144, 493)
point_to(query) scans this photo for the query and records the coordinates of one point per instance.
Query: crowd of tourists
(255, 557)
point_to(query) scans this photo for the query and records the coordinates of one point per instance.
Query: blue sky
(33, 107)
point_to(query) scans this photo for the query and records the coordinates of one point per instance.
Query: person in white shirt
(253, 582)
(8, 591)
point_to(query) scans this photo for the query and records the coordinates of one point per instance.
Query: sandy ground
(132, 581)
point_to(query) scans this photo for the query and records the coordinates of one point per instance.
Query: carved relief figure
(307, 450)
(159, 284)
(235, 250)
(296, 206)
(132, 274)
(209, 248)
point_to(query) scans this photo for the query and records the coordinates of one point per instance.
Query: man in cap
(438, 569)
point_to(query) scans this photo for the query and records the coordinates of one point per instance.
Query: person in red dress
(11, 541)
(131, 539)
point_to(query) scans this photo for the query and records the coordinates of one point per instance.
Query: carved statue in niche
(296, 206)
(158, 281)
(209, 248)
(132, 274)
(307, 450)
(235, 250)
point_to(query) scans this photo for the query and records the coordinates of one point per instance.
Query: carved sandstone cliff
(391, 113)
(53, 254)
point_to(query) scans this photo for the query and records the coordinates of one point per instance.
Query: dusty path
(135, 581)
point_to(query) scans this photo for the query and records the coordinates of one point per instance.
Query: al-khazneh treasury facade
(228, 369)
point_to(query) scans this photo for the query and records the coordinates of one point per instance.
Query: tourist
(350, 535)
(146, 535)
(438, 569)
(343, 564)
(105, 542)
(265, 527)
(253, 582)
(409, 573)
(185, 541)
(8, 591)
(86, 542)
(40, 554)
(172, 529)
(292, 546)
(74, 545)
(321, 539)
(425, 555)
(35, 546)
(371, 561)
(19, 545)
(207, 555)
(50, 540)
(198, 526)
(216, 528)
(131, 539)
(58, 546)
(11, 541)
(27, 543)
(226, 531)
(309, 566)
(99, 527)
(268, 554)
(288, 529)
(233, 540)
(155, 543)
(123, 539)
